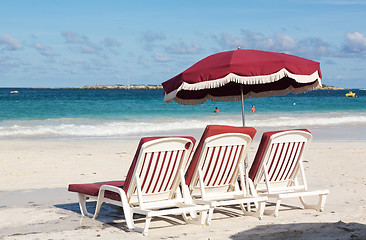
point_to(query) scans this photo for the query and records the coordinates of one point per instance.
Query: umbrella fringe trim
(246, 96)
(245, 80)
(250, 80)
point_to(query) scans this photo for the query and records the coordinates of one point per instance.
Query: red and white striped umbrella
(240, 74)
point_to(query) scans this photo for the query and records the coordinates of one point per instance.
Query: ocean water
(100, 113)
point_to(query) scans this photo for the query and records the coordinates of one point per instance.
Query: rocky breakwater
(327, 87)
(97, 86)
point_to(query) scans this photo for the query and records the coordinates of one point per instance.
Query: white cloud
(284, 42)
(355, 43)
(313, 48)
(150, 36)
(42, 49)
(9, 63)
(88, 49)
(229, 42)
(72, 37)
(10, 43)
(83, 44)
(310, 47)
(182, 48)
(150, 39)
(111, 42)
(161, 57)
(253, 40)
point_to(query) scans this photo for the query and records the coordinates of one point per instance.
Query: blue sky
(61, 43)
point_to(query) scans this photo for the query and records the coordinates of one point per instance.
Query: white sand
(35, 204)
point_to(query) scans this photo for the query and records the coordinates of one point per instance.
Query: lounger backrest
(156, 166)
(220, 151)
(278, 159)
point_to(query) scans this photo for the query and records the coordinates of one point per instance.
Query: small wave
(308, 121)
(109, 129)
(87, 128)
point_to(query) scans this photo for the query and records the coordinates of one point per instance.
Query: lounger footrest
(297, 194)
(224, 202)
(171, 211)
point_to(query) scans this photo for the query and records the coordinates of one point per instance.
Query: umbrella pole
(246, 157)
(242, 105)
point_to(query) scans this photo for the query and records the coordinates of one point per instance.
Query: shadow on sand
(108, 212)
(111, 215)
(337, 230)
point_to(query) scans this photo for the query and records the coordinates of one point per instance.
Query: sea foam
(54, 128)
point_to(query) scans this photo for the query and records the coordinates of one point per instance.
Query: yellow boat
(350, 94)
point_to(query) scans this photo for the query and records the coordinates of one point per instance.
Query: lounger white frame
(142, 197)
(220, 164)
(281, 172)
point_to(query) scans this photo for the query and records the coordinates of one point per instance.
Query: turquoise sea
(99, 113)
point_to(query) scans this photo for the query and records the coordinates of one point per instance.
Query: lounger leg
(127, 212)
(322, 202)
(278, 203)
(258, 213)
(319, 206)
(99, 204)
(242, 207)
(147, 224)
(203, 217)
(209, 217)
(253, 192)
(260, 210)
(82, 205)
(185, 217)
(195, 218)
(192, 215)
(248, 208)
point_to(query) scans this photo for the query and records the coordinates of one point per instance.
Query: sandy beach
(35, 203)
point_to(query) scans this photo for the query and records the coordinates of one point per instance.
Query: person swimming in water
(216, 110)
(252, 109)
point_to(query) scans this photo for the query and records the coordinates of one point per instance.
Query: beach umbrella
(240, 74)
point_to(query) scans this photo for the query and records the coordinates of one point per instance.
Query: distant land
(327, 87)
(118, 86)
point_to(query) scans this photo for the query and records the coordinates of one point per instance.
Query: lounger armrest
(112, 189)
(101, 198)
